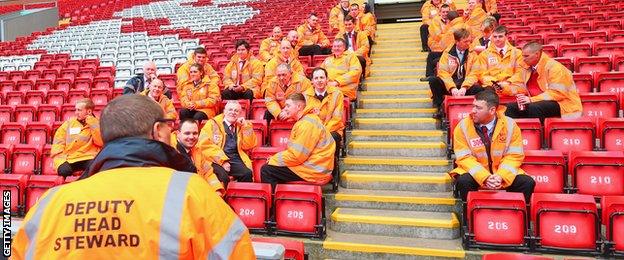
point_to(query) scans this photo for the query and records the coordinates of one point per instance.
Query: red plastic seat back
(298, 208)
(593, 64)
(565, 220)
(610, 82)
(47, 163)
(279, 133)
(251, 202)
(25, 159)
(613, 219)
(597, 173)
(531, 129)
(497, 217)
(67, 111)
(584, 82)
(25, 113)
(599, 105)
(16, 184)
(570, 134)
(547, 168)
(294, 249)
(612, 133)
(258, 109)
(12, 133)
(260, 129)
(47, 114)
(37, 185)
(259, 156)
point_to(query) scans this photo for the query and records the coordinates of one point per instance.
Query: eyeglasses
(170, 122)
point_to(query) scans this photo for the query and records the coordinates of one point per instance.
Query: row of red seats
(583, 172)
(293, 209)
(511, 5)
(574, 13)
(521, 35)
(573, 49)
(561, 222)
(20, 90)
(529, 26)
(26, 190)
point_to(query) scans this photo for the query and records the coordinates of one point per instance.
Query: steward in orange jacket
(369, 23)
(330, 104)
(77, 140)
(280, 87)
(357, 42)
(242, 76)
(313, 40)
(344, 69)
(285, 55)
(269, 46)
(200, 100)
(337, 15)
(310, 153)
(489, 152)
(155, 92)
(474, 16)
(199, 56)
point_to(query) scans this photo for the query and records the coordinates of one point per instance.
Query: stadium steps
(395, 198)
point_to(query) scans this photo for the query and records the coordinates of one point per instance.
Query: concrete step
(396, 123)
(396, 49)
(404, 59)
(395, 85)
(382, 36)
(404, 164)
(394, 26)
(405, 43)
(396, 71)
(394, 103)
(394, 200)
(396, 94)
(416, 65)
(393, 112)
(359, 246)
(396, 223)
(398, 78)
(395, 135)
(421, 55)
(401, 181)
(397, 149)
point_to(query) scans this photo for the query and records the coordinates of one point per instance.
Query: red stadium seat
(547, 168)
(575, 50)
(570, 134)
(294, 249)
(260, 129)
(547, 28)
(456, 108)
(100, 96)
(25, 159)
(612, 133)
(40, 66)
(44, 84)
(32, 75)
(559, 38)
(616, 36)
(7, 86)
(609, 48)
(610, 82)
(56, 65)
(15, 183)
(593, 64)
(259, 156)
(37, 185)
(549, 49)
(14, 98)
(68, 74)
(47, 163)
(75, 95)
(496, 218)
(106, 72)
(317, 60)
(12, 133)
(87, 73)
(521, 40)
(102, 83)
(597, 173)
(584, 82)
(257, 109)
(532, 133)
(5, 157)
(613, 219)
(510, 256)
(606, 25)
(35, 97)
(82, 84)
(24, 113)
(47, 114)
(67, 111)
(16, 75)
(618, 63)
(565, 221)
(279, 132)
(169, 79)
(24, 85)
(599, 105)
(591, 37)
(37, 133)
(299, 210)
(49, 74)
(6, 113)
(56, 97)
(251, 202)
(567, 62)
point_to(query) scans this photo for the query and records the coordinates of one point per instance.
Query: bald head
(149, 69)
(120, 118)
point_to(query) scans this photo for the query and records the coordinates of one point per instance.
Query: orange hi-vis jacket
(429, 11)
(210, 75)
(493, 67)
(313, 36)
(204, 167)
(310, 151)
(475, 20)
(270, 69)
(506, 150)
(368, 23)
(441, 34)
(133, 213)
(346, 70)
(555, 80)
(212, 140)
(74, 142)
(206, 97)
(330, 110)
(268, 48)
(275, 95)
(250, 76)
(166, 104)
(361, 44)
(490, 6)
(336, 19)
(449, 65)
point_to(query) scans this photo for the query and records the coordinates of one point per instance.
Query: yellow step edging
(434, 133)
(390, 77)
(395, 92)
(398, 100)
(376, 178)
(396, 83)
(372, 248)
(395, 110)
(421, 120)
(396, 199)
(396, 161)
(453, 222)
(396, 145)
(415, 70)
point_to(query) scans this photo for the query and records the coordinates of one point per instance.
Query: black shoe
(425, 79)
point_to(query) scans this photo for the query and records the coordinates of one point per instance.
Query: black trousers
(539, 109)
(432, 62)
(338, 140)
(363, 64)
(228, 94)
(315, 49)
(67, 169)
(496, 16)
(238, 170)
(370, 45)
(424, 36)
(438, 91)
(194, 114)
(522, 183)
(277, 174)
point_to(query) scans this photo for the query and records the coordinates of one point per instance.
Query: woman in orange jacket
(199, 98)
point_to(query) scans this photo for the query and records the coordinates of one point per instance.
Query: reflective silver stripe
(509, 168)
(545, 96)
(317, 168)
(497, 153)
(314, 122)
(476, 169)
(32, 226)
(557, 86)
(299, 148)
(280, 159)
(223, 250)
(510, 130)
(515, 149)
(461, 153)
(481, 155)
(171, 217)
(325, 142)
(572, 115)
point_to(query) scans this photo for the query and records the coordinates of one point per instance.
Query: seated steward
(200, 99)
(155, 92)
(242, 76)
(343, 68)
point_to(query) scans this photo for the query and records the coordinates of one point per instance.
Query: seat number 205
(295, 214)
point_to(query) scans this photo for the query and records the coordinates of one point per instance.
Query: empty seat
(565, 221)
(294, 249)
(24, 85)
(251, 202)
(547, 168)
(593, 64)
(6, 113)
(618, 63)
(102, 83)
(258, 108)
(279, 132)
(13, 98)
(584, 82)
(610, 82)
(521, 40)
(16, 184)
(82, 84)
(532, 133)
(558, 38)
(570, 134)
(597, 173)
(609, 48)
(613, 219)
(259, 156)
(63, 84)
(47, 163)
(612, 133)
(67, 111)
(6, 86)
(47, 113)
(44, 84)
(496, 218)
(299, 210)
(24, 113)
(34, 97)
(25, 159)
(37, 185)
(575, 50)
(599, 105)
(567, 62)
(591, 37)
(12, 133)
(37, 133)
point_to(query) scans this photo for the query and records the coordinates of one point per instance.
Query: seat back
(532, 133)
(298, 208)
(593, 64)
(599, 105)
(15, 183)
(613, 219)
(497, 217)
(259, 156)
(610, 82)
(547, 168)
(565, 221)
(260, 129)
(584, 82)
(24, 113)
(251, 202)
(47, 163)
(513, 256)
(597, 173)
(12, 133)
(25, 159)
(279, 133)
(570, 134)
(37, 185)
(47, 114)
(258, 109)
(612, 133)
